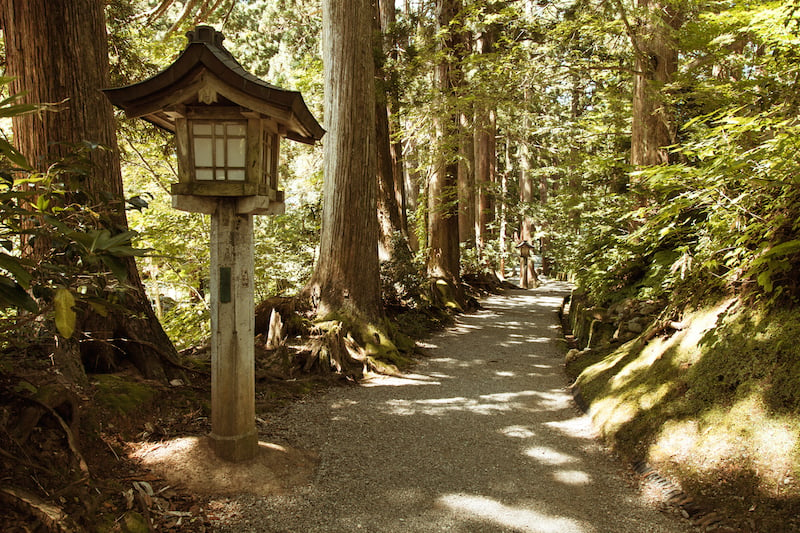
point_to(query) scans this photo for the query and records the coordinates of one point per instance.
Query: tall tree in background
(390, 214)
(391, 45)
(655, 64)
(485, 146)
(527, 189)
(57, 51)
(347, 274)
(467, 201)
(443, 242)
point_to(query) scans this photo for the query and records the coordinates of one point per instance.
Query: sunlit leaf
(65, 316)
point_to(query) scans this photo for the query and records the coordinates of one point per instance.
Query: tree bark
(485, 153)
(656, 62)
(347, 274)
(466, 170)
(443, 247)
(390, 217)
(502, 215)
(57, 51)
(388, 20)
(527, 226)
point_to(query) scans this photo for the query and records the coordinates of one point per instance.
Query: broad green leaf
(13, 295)
(13, 154)
(64, 312)
(14, 267)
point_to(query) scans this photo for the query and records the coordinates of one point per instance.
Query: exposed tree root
(334, 351)
(50, 399)
(52, 517)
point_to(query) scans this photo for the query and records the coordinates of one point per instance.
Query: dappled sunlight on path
(525, 519)
(481, 436)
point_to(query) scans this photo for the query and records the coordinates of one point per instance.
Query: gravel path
(481, 437)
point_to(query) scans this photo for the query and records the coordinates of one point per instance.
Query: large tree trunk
(57, 51)
(347, 273)
(443, 249)
(656, 61)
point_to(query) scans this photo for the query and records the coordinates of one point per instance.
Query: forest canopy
(644, 149)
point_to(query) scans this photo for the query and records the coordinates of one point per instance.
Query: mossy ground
(716, 405)
(121, 395)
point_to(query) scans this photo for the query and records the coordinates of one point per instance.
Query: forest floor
(481, 435)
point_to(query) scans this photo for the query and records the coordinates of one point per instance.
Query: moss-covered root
(384, 349)
(380, 346)
(446, 294)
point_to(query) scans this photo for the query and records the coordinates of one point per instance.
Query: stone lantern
(228, 125)
(527, 270)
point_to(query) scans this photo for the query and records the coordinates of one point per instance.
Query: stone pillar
(233, 426)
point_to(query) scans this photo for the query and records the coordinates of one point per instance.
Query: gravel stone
(481, 436)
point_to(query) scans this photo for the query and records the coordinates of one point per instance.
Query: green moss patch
(381, 342)
(716, 404)
(120, 394)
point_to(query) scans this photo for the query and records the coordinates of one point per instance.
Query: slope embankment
(709, 398)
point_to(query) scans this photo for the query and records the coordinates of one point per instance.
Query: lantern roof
(525, 244)
(207, 74)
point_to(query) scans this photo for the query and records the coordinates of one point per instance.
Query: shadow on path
(481, 436)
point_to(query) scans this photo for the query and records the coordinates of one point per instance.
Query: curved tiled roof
(205, 53)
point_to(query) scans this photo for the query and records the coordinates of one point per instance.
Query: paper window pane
(236, 151)
(201, 129)
(202, 153)
(219, 146)
(205, 174)
(219, 129)
(236, 130)
(220, 174)
(236, 175)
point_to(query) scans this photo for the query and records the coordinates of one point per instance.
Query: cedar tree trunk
(485, 153)
(656, 61)
(443, 249)
(390, 217)
(57, 51)
(347, 274)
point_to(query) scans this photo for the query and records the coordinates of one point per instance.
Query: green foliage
(62, 252)
(724, 216)
(286, 248)
(267, 39)
(732, 213)
(402, 276)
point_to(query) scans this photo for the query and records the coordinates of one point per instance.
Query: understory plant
(60, 253)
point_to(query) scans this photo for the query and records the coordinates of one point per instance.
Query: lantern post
(228, 125)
